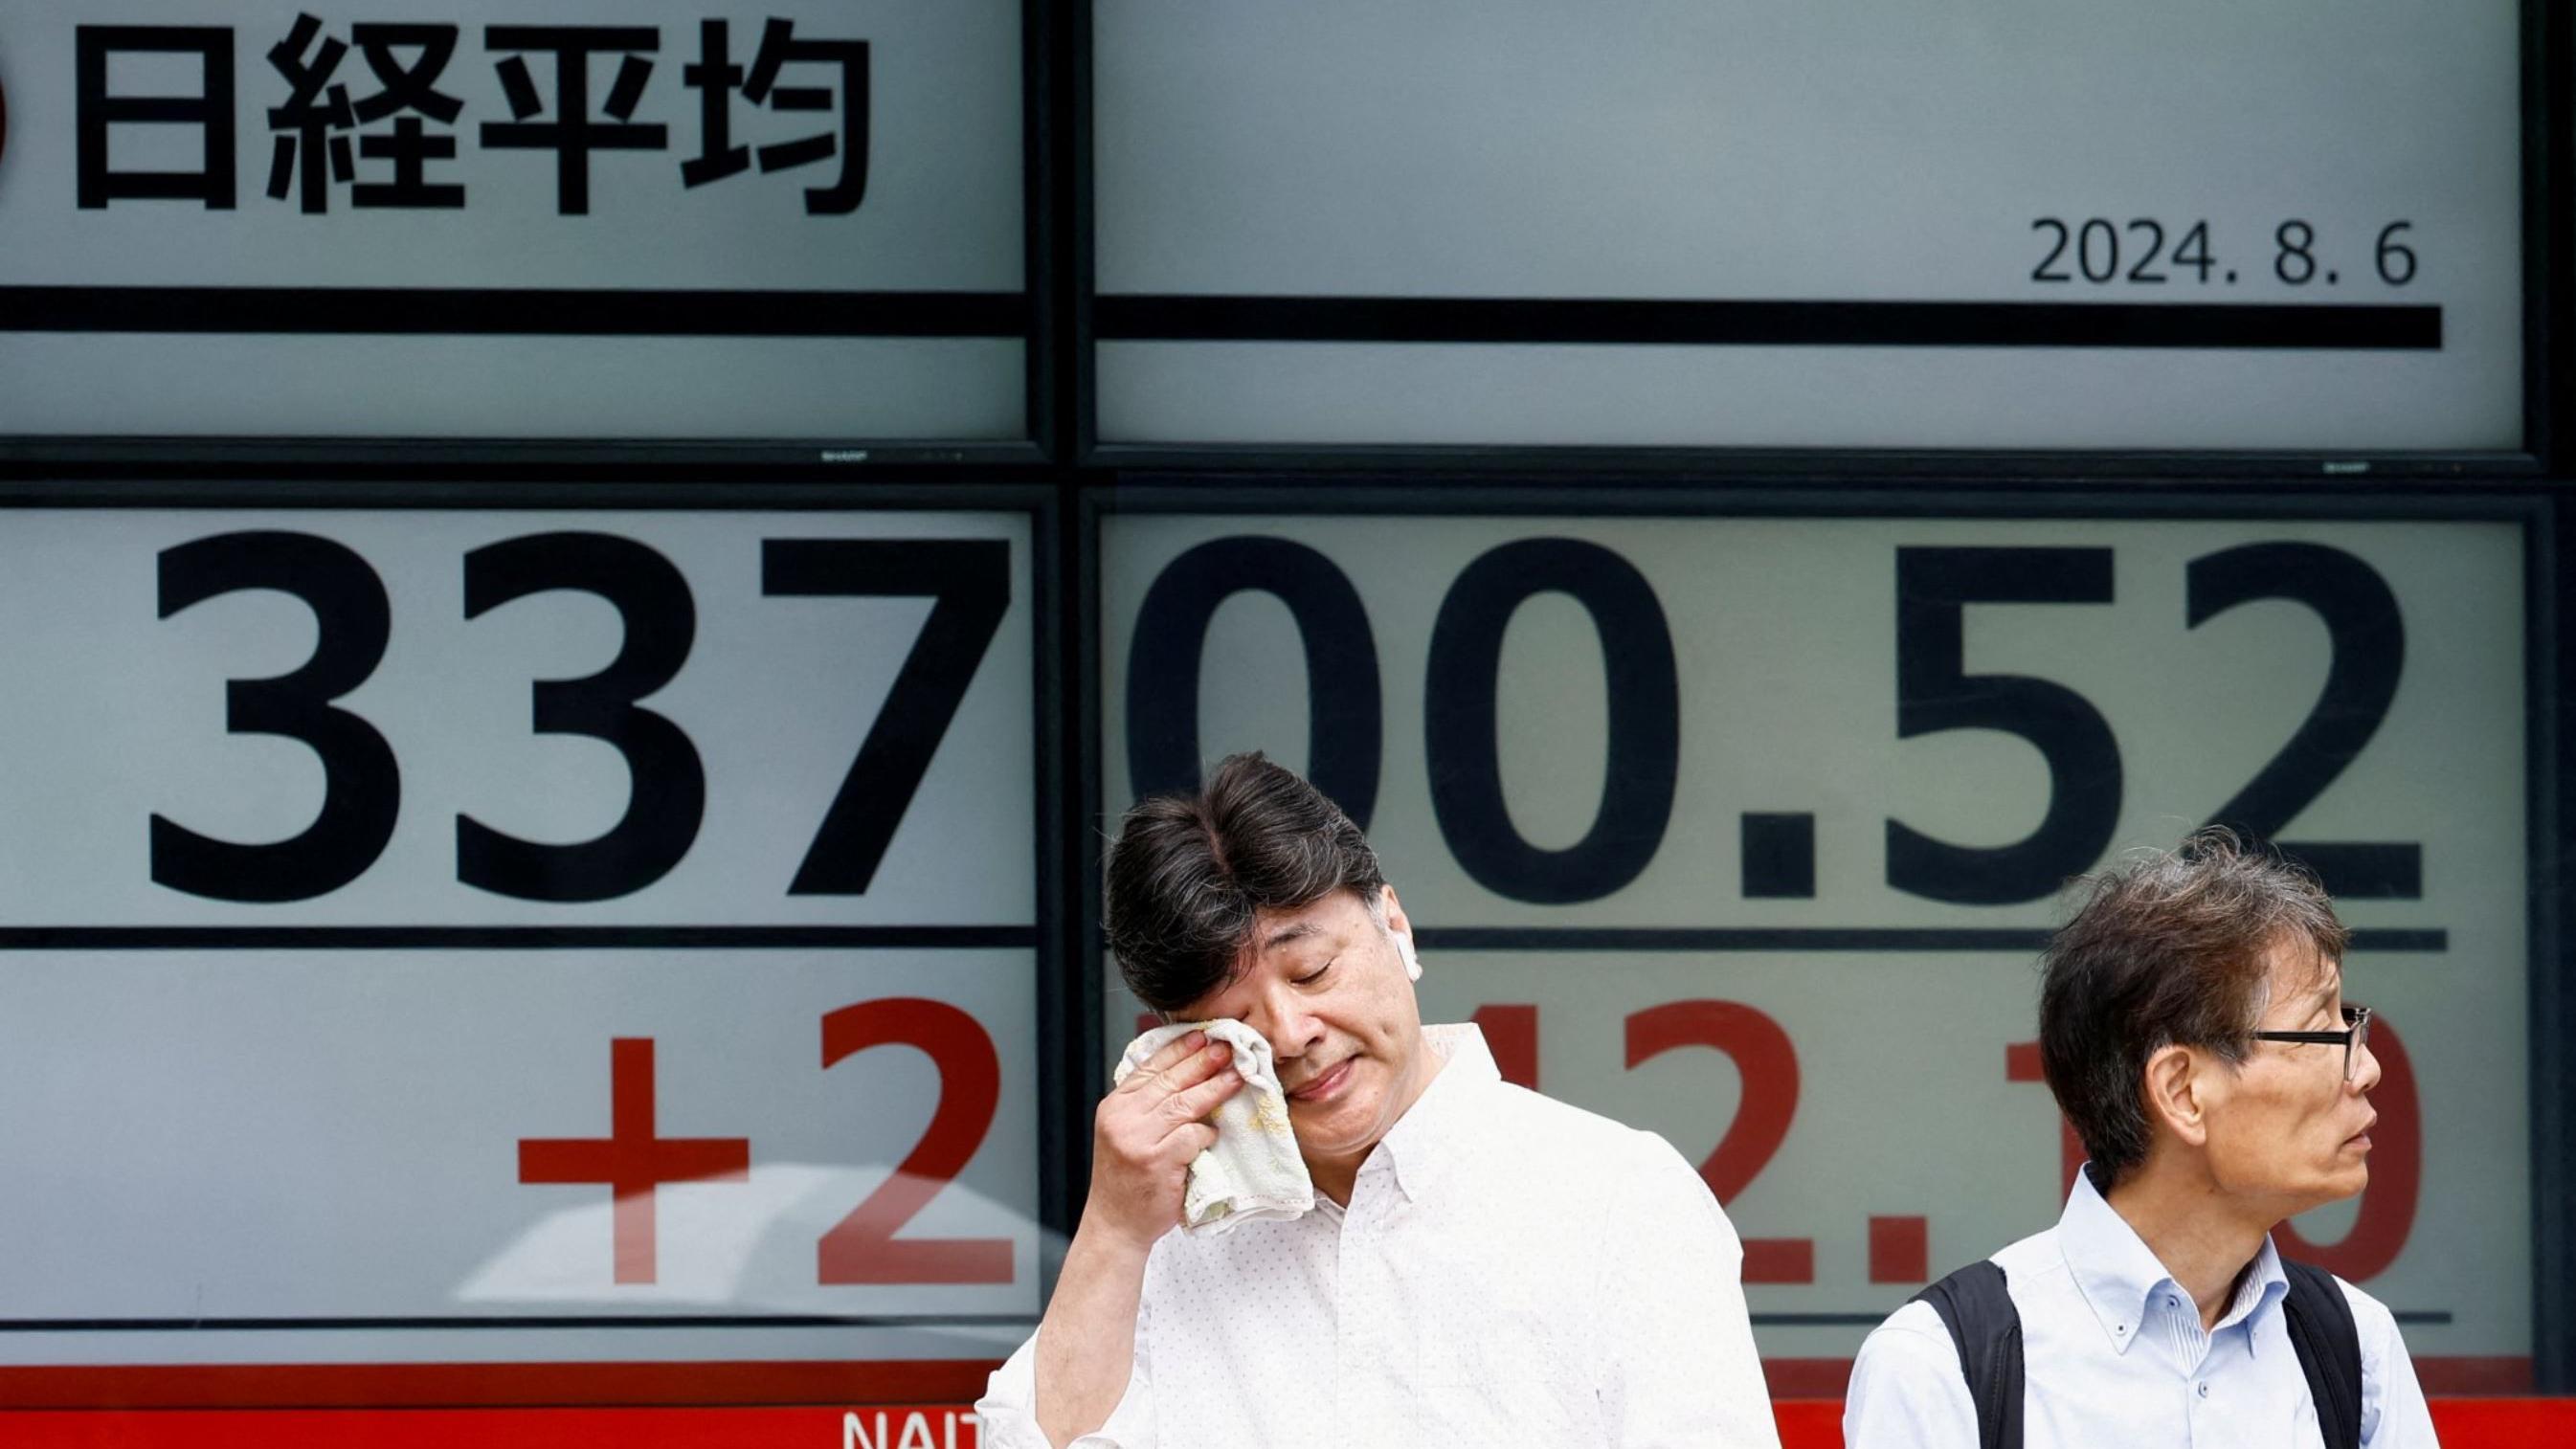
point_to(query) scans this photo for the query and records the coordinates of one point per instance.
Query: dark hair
(1189, 870)
(2169, 949)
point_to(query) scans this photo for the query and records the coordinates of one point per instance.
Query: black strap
(2329, 1347)
(1977, 1308)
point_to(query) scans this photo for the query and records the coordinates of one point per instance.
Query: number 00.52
(1935, 694)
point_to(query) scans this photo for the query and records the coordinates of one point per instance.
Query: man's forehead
(2298, 968)
(1276, 929)
(1271, 938)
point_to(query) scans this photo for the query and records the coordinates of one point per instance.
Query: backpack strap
(2329, 1347)
(1977, 1308)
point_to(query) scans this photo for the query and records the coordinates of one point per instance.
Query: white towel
(1254, 1170)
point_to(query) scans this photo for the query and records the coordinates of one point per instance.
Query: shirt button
(2204, 1390)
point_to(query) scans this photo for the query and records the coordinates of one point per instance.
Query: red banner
(1804, 1424)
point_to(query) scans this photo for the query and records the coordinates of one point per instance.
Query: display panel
(1762, 225)
(1749, 830)
(586, 221)
(519, 937)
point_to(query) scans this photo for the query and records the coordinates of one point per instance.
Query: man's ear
(1401, 928)
(2175, 1092)
(1393, 911)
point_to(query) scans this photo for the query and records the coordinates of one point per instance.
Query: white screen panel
(1775, 190)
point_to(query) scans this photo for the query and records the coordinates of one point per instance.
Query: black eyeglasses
(2356, 1031)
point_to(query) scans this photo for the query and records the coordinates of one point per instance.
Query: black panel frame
(2545, 80)
(2548, 528)
(24, 455)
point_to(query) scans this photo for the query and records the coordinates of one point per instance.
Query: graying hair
(2168, 948)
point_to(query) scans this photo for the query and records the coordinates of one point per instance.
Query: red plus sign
(631, 1160)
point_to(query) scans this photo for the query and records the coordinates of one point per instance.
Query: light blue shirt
(2113, 1354)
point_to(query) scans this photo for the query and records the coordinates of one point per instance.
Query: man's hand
(1142, 1139)
(1146, 1132)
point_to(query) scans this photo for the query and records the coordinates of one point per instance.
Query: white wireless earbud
(1404, 949)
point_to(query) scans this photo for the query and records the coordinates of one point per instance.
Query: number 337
(969, 581)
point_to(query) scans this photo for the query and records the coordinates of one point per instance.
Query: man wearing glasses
(2194, 1031)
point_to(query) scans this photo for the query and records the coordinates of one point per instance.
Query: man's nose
(2365, 1072)
(1283, 1020)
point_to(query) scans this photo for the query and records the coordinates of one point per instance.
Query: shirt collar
(2119, 1275)
(1424, 1139)
(2262, 1287)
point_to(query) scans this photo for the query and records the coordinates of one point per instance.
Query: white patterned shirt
(2113, 1353)
(1510, 1270)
